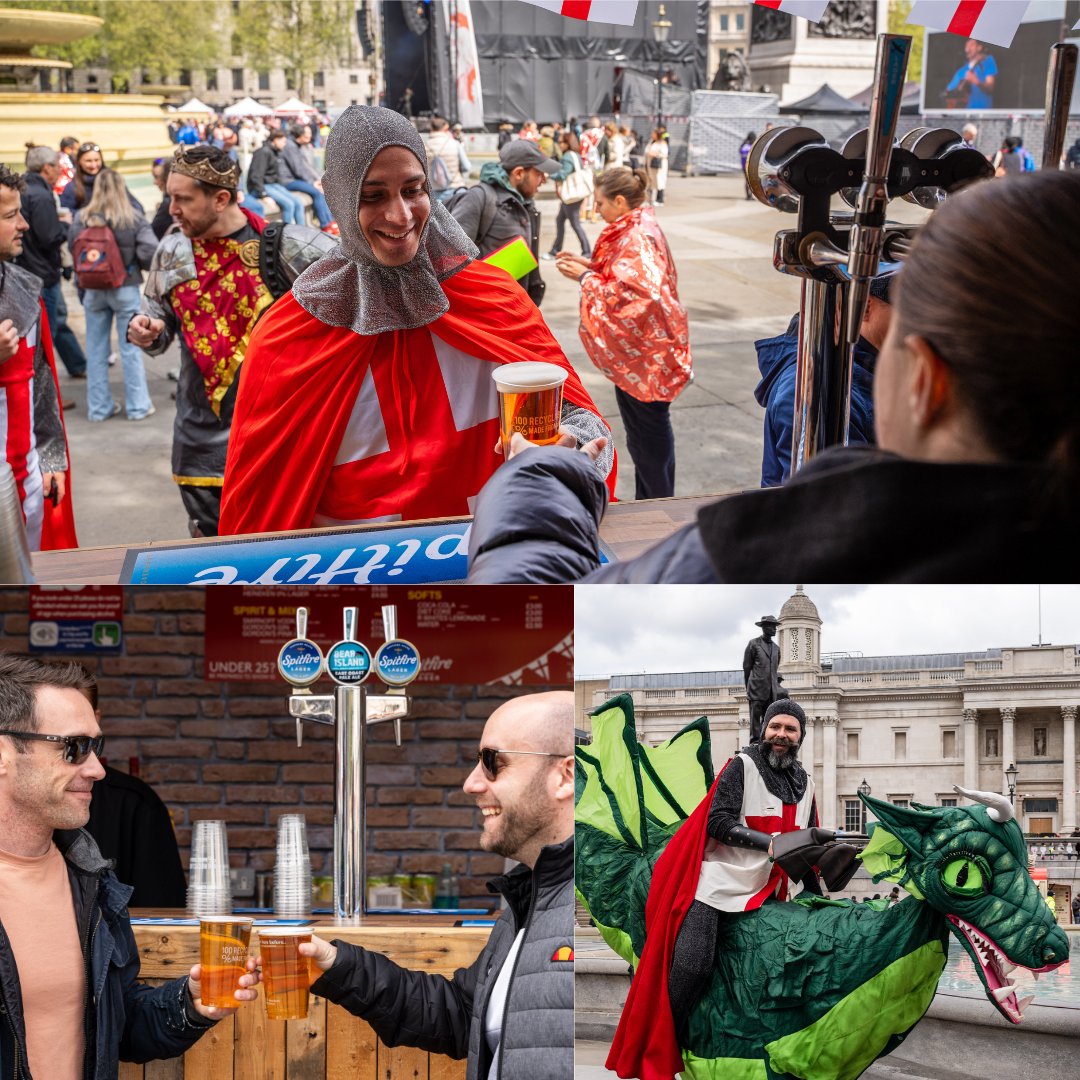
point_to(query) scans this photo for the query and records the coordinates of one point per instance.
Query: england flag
(804, 9)
(617, 12)
(994, 22)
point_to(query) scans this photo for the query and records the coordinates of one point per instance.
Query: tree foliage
(301, 36)
(168, 36)
(899, 10)
(161, 39)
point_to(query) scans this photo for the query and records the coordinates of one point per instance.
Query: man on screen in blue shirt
(974, 80)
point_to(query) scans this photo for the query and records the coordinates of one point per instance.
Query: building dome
(799, 606)
(800, 635)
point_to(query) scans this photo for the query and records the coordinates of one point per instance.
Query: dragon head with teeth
(971, 864)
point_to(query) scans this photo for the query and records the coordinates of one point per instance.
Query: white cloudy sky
(622, 629)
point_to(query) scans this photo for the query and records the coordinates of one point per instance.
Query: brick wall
(228, 750)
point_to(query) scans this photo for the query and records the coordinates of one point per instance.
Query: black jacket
(45, 237)
(446, 1016)
(263, 170)
(852, 514)
(125, 1020)
(132, 828)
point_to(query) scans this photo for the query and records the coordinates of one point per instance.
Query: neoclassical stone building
(909, 727)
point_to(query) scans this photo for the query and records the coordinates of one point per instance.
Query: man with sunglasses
(511, 1013)
(68, 958)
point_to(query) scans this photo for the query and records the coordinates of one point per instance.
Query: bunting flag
(617, 12)
(811, 10)
(470, 99)
(995, 23)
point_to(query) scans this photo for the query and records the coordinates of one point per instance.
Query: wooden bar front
(331, 1044)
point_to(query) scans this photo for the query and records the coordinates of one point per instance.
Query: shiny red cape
(58, 526)
(301, 378)
(646, 1044)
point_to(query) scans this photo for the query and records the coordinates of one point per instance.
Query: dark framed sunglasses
(77, 748)
(489, 758)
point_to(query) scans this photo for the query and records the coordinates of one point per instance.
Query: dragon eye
(966, 876)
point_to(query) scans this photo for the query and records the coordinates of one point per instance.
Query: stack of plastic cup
(209, 892)
(292, 873)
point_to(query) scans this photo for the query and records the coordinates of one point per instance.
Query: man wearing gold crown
(210, 281)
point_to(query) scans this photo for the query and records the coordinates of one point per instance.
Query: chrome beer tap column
(350, 709)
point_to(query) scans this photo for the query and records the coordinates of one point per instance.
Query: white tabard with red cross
(742, 879)
(17, 432)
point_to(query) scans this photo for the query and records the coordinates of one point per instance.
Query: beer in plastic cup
(223, 954)
(530, 401)
(284, 971)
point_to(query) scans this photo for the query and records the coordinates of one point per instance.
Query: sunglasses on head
(89, 147)
(77, 748)
(489, 758)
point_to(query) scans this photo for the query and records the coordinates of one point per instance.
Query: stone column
(806, 754)
(827, 804)
(1008, 749)
(1068, 787)
(743, 734)
(971, 749)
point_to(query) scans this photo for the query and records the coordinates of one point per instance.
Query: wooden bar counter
(628, 529)
(331, 1044)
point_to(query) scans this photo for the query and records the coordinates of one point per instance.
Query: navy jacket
(47, 233)
(776, 394)
(125, 1020)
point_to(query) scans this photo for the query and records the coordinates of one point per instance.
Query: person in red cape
(31, 420)
(209, 283)
(748, 838)
(367, 392)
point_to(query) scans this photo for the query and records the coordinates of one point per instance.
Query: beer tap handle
(301, 622)
(350, 618)
(1059, 90)
(389, 621)
(397, 730)
(867, 232)
(299, 732)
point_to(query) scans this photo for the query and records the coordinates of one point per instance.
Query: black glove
(837, 866)
(799, 852)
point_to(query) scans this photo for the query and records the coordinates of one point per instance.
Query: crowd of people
(342, 362)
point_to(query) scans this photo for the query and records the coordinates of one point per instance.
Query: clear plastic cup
(530, 401)
(286, 974)
(223, 954)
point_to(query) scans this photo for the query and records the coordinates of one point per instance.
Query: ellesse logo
(563, 953)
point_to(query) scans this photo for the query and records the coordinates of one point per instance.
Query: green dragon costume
(813, 988)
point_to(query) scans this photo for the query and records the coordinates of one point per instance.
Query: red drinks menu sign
(469, 635)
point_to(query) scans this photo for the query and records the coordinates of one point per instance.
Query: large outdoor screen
(961, 75)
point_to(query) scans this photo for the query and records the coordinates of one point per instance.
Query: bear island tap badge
(300, 661)
(349, 661)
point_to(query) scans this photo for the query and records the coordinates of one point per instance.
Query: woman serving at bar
(367, 392)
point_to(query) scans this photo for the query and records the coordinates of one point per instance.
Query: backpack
(487, 215)
(440, 174)
(97, 259)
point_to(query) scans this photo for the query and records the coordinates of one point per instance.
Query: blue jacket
(125, 1020)
(776, 394)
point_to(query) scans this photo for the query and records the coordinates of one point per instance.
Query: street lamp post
(1011, 774)
(661, 27)
(864, 789)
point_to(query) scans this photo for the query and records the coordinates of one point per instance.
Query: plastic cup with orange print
(223, 954)
(530, 401)
(285, 973)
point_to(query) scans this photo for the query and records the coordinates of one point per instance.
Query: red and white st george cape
(48, 527)
(332, 426)
(646, 1045)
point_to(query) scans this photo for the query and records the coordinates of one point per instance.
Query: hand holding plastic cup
(321, 954)
(530, 402)
(223, 957)
(285, 972)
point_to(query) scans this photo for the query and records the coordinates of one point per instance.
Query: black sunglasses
(77, 748)
(489, 758)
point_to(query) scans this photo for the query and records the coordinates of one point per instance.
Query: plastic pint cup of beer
(223, 954)
(284, 971)
(530, 401)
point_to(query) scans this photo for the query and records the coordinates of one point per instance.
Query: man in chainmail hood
(31, 423)
(756, 833)
(367, 393)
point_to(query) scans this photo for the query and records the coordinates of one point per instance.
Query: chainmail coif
(351, 287)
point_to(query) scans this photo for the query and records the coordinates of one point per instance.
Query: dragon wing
(629, 800)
